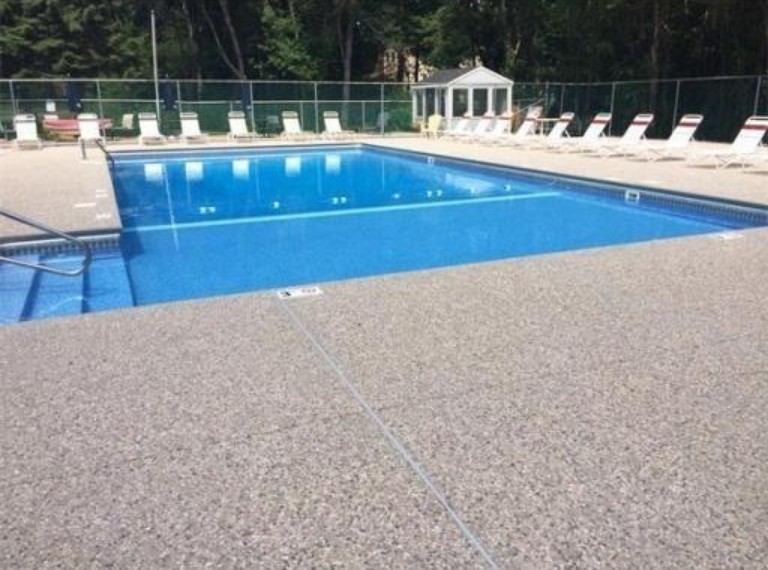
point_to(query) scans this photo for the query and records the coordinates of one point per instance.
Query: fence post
(14, 104)
(677, 101)
(101, 104)
(253, 106)
(562, 97)
(178, 96)
(757, 95)
(613, 101)
(363, 116)
(317, 110)
(381, 112)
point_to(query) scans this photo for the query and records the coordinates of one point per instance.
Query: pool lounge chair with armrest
(148, 129)
(526, 131)
(461, 127)
(675, 146)
(190, 128)
(26, 131)
(499, 133)
(238, 127)
(558, 132)
(482, 126)
(632, 137)
(743, 150)
(592, 135)
(89, 127)
(333, 128)
(292, 126)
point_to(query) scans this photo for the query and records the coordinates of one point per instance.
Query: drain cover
(299, 292)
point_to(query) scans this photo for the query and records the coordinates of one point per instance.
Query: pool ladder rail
(87, 253)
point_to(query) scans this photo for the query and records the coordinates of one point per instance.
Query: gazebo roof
(464, 77)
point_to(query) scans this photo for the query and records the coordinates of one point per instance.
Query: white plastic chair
(333, 128)
(591, 135)
(526, 130)
(88, 124)
(483, 126)
(498, 133)
(744, 149)
(291, 125)
(556, 133)
(238, 128)
(629, 141)
(190, 128)
(459, 129)
(677, 143)
(26, 131)
(148, 129)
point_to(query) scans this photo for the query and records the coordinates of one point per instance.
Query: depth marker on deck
(299, 292)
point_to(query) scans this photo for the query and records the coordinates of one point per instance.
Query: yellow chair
(433, 126)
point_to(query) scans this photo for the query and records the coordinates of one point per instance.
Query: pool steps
(15, 285)
(27, 294)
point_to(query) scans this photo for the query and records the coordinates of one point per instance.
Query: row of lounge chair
(90, 128)
(745, 149)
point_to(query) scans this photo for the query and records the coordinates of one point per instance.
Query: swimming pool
(217, 222)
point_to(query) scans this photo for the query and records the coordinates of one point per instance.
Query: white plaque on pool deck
(299, 292)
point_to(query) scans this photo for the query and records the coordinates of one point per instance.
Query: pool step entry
(15, 285)
(27, 294)
(55, 295)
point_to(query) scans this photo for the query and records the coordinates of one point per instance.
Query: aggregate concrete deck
(55, 186)
(606, 408)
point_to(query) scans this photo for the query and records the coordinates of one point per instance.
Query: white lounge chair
(238, 127)
(148, 129)
(26, 131)
(292, 126)
(526, 130)
(88, 124)
(556, 133)
(629, 141)
(744, 149)
(498, 133)
(483, 126)
(675, 146)
(333, 128)
(590, 136)
(459, 129)
(190, 128)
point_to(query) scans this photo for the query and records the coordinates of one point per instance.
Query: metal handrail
(101, 146)
(87, 254)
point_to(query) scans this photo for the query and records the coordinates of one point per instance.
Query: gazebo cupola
(473, 91)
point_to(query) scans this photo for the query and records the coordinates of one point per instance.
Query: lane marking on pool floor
(392, 439)
(347, 212)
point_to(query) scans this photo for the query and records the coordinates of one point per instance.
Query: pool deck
(606, 408)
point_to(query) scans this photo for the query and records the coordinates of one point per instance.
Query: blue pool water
(215, 223)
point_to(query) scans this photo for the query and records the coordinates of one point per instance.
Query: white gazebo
(473, 92)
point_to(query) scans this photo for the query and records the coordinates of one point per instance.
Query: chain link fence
(725, 102)
(363, 107)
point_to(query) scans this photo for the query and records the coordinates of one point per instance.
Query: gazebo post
(449, 107)
(509, 99)
(437, 100)
(489, 101)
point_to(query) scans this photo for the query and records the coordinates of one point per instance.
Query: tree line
(343, 40)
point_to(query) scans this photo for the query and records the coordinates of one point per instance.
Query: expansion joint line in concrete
(392, 439)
